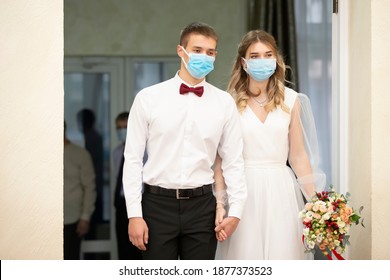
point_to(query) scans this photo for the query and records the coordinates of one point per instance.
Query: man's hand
(82, 228)
(138, 233)
(227, 227)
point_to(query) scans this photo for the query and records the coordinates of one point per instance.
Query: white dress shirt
(182, 134)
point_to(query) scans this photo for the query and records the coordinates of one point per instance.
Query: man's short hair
(197, 28)
(122, 117)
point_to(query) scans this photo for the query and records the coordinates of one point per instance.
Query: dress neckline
(258, 119)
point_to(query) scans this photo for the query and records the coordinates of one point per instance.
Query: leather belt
(178, 193)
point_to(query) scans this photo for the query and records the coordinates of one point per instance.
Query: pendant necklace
(261, 103)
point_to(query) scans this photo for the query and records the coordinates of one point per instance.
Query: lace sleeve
(219, 182)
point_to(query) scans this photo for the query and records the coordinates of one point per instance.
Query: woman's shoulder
(290, 96)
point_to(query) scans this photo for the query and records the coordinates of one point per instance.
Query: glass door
(93, 90)
(97, 89)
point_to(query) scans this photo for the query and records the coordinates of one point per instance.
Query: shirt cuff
(85, 217)
(235, 210)
(134, 211)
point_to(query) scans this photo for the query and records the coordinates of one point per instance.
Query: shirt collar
(180, 81)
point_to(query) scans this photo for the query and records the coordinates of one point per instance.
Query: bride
(278, 127)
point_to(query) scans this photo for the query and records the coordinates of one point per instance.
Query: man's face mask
(199, 65)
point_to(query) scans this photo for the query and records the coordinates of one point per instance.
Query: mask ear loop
(245, 68)
(183, 57)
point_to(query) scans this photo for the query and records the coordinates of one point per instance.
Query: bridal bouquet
(327, 220)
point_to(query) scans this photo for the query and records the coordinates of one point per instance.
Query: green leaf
(354, 218)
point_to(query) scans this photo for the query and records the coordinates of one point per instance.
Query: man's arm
(230, 150)
(87, 177)
(137, 128)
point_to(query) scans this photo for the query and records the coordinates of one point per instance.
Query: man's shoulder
(156, 87)
(76, 149)
(219, 92)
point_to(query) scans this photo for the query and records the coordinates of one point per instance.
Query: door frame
(340, 96)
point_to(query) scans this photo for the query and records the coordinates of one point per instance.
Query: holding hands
(224, 226)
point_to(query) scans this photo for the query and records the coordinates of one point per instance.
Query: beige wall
(31, 127)
(370, 126)
(360, 124)
(380, 128)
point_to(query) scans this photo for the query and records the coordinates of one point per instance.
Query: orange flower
(344, 217)
(348, 211)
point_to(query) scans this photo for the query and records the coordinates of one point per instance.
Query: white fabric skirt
(270, 228)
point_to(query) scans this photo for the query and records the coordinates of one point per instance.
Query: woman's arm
(220, 195)
(298, 157)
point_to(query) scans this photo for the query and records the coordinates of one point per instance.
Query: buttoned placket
(187, 137)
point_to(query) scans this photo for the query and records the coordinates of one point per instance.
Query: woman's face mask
(260, 69)
(199, 65)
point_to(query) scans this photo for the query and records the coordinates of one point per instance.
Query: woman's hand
(219, 215)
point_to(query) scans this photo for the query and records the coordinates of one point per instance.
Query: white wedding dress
(270, 227)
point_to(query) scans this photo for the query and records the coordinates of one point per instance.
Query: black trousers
(180, 228)
(72, 242)
(126, 250)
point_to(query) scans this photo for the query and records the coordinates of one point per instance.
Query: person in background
(79, 196)
(182, 123)
(126, 250)
(93, 140)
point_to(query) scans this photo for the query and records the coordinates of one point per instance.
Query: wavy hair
(238, 85)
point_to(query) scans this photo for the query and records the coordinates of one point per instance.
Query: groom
(182, 122)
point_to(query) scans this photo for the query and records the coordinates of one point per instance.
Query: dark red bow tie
(185, 89)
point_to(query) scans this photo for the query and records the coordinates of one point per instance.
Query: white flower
(337, 243)
(306, 231)
(323, 208)
(310, 214)
(341, 224)
(326, 216)
(343, 230)
(302, 214)
(311, 244)
(319, 237)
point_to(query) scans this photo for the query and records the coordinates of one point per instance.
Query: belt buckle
(180, 197)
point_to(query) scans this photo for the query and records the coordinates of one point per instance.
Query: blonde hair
(238, 85)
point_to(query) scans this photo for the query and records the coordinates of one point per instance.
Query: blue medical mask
(260, 69)
(121, 133)
(199, 64)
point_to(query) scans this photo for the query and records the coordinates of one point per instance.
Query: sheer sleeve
(219, 182)
(303, 151)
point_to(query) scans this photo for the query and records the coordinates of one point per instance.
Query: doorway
(105, 87)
